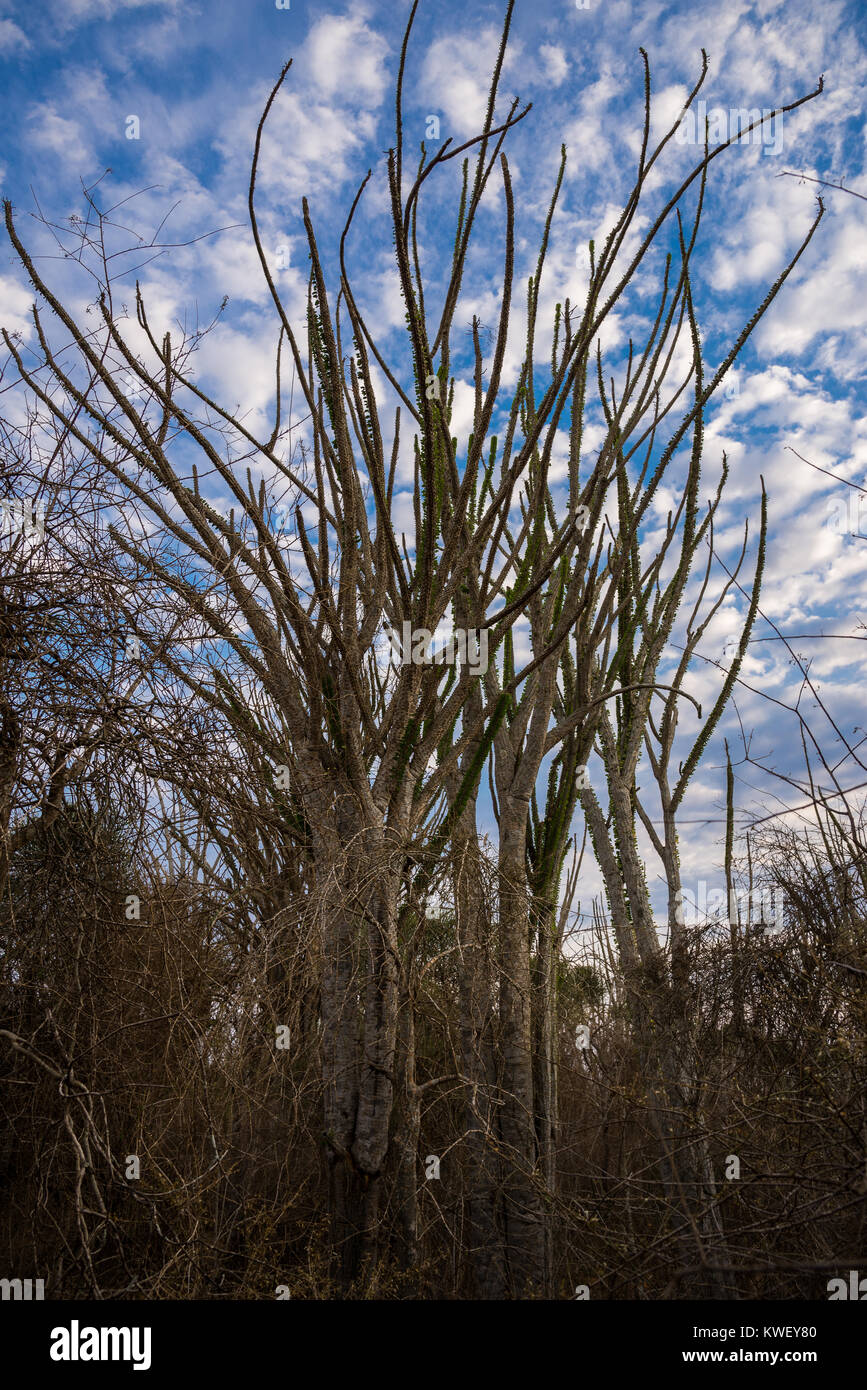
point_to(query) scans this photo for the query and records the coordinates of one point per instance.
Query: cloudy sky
(160, 99)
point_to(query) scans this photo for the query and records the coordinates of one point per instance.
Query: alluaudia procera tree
(370, 772)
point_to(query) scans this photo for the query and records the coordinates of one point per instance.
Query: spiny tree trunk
(482, 1145)
(359, 948)
(545, 1071)
(406, 1136)
(523, 1213)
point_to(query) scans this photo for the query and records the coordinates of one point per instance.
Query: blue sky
(195, 76)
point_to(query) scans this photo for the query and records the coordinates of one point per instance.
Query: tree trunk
(487, 1255)
(358, 937)
(524, 1226)
(406, 1139)
(545, 1072)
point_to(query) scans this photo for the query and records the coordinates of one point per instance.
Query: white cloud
(456, 80)
(15, 302)
(74, 12)
(60, 136)
(555, 62)
(347, 57)
(11, 37)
